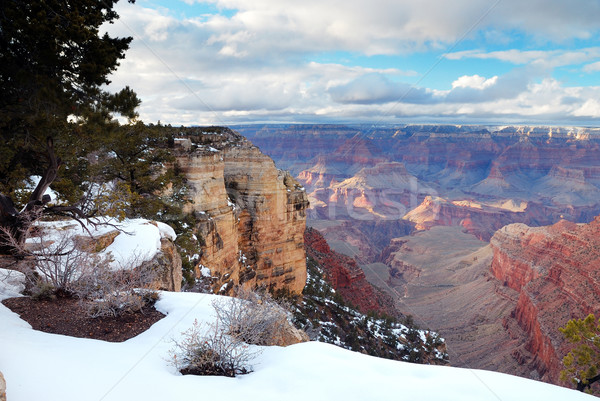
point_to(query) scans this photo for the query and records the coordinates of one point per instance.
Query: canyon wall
(346, 276)
(487, 176)
(249, 216)
(556, 270)
(442, 182)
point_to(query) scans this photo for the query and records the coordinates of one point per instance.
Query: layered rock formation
(250, 216)
(556, 271)
(442, 277)
(345, 275)
(555, 171)
(479, 219)
(469, 179)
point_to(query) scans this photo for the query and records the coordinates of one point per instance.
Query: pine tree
(53, 65)
(582, 363)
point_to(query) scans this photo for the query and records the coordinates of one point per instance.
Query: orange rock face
(557, 271)
(250, 215)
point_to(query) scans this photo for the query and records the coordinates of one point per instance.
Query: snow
(166, 231)
(41, 366)
(11, 283)
(205, 271)
(34, 180)
(138, 242)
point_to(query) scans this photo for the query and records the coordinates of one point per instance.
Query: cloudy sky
(376, 61)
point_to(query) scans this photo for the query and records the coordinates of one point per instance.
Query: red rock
(345, 275)
(556, 269)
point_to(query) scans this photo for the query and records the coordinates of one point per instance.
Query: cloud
(474, 81)
(541, 58)
(591, 108)
(384, 27)
(474, 89)
(257, 62)
(375, 88)
(592, 67)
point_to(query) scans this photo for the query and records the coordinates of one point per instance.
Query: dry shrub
(113, 292)
(59, 265)
(211, 352)
(223, 348)
(255, 318)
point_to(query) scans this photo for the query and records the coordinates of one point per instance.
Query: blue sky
(377, 61)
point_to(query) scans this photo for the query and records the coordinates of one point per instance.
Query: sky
(228, 62)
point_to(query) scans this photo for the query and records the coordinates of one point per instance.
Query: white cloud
(474, 81)
(591, 108)
(592, 67)
(540, 58)
(385, 27)
(256, 64)
(375, 88)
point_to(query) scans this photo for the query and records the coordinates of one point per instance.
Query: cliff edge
(556, 270)
(249, 216)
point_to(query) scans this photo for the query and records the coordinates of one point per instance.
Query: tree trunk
(15, 225)
(581, 386)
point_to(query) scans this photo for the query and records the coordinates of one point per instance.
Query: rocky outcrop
(2, 388)
(345, 275)
(556, 270)
(249, 216)
(476, 218)
(288, 335)
(168, 267)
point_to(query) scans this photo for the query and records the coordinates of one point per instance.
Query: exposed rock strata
(168, 264)
(556, 270)
(554, 171)
(249, 215)
(345, 275)
(442, 277)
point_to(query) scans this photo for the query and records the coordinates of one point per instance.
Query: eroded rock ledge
(250, 215)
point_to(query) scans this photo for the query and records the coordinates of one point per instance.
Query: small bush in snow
(253, 318)
(211, 352)
(108, 292)
(58, 265)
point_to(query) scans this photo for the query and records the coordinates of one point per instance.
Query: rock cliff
(556, 270)
(346, 276)
(249, 216)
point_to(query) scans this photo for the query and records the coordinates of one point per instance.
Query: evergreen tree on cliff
(53, 65)
(582, 363)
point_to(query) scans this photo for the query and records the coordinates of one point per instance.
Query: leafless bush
(62, 265)
(112, 292)
(57, 264)
(253, 318)
(211, 353)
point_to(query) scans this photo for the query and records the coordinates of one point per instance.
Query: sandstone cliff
(249, 216)
(556, 270)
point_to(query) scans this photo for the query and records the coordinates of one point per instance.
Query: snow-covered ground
(49, 367)
(138, 239)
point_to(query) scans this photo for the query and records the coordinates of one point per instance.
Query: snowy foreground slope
(40, 366)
